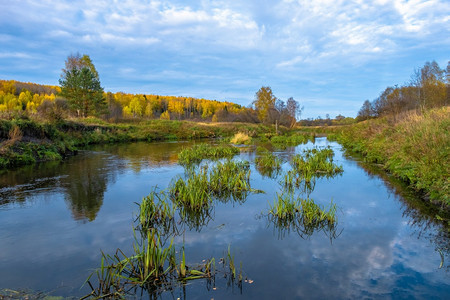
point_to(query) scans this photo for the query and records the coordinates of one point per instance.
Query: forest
(44, 101)
(80, 94)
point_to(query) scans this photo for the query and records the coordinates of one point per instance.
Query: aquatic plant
(261, 150)
(268, 164)
(193, 192)
(302, 216)
(153, 267)
(197, 153)
(315, 163)
(230, 179)
(156, 212)
(283, 141)
(316, 216)
(285, 206)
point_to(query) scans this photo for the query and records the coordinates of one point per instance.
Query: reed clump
(307, 167)
(304, 182)
(197, 153)
(230, 179)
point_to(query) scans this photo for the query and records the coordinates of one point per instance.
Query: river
(57, 217)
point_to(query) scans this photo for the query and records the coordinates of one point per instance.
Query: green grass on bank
(414, 147)
(28, 141)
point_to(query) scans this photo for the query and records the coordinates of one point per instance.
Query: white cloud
(352, 30)
(185, 15)
(292, 44)
(15, 55)
(125, 40)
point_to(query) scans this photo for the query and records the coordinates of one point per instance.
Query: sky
(329, 55)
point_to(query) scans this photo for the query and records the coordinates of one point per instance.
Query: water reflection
(85, 186)
(421, 216)
(282, 228)
(387, 249)
(82, 179)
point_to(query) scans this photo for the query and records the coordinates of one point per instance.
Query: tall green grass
(414, 147)
(192, 193)
(230, 179)
(306, 167)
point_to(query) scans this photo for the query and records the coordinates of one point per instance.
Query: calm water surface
(56, 217)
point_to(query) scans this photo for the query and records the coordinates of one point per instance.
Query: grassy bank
(414, 147)
(27, 141)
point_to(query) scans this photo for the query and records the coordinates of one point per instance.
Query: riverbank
(413, 147)
(27, 141)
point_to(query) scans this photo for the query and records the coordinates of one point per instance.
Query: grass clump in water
(303, 216)
(152, 267)
(316, 163)
(192, 193)
(199, 152)
(283, 141)
(268, 164)
(156, 212)
(291, 181)
(229, 179)
(313, 163)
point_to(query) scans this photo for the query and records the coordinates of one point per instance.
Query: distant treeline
(31, 99)
(428, 88)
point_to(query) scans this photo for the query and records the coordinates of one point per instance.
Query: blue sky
(330, 55)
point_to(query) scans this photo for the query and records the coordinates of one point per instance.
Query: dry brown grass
(240, 138)
(15, 135)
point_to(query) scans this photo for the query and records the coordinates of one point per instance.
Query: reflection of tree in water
(426, 219)
(83, 178)
(86, 186)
